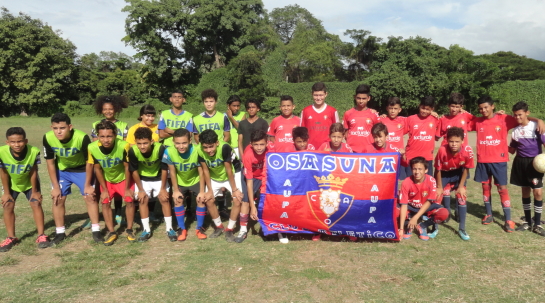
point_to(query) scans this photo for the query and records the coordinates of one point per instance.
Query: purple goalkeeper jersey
(527, 140)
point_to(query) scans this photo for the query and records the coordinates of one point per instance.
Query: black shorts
(256, 188)
(524, 174)
(186, 190)
(15, 194)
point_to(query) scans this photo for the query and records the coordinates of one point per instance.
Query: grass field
(492, 267)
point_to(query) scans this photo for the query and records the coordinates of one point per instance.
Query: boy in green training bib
(19, 172)
(211, 119)
(235, 116)
(222, 169)
(174, 118)
(65, 151)
(109, 160)
(150, 176)
(187, 178)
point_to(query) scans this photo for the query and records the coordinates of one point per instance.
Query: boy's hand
(141, 196)
(500, 112)
(402, 151)
(129, 193)
(435, 115)
(229, 113)
(105, 196)
(36, 197)
(373, 111)
(7, 198)
(238, 195)
(412, 223)
(55, 195)
(89, 191)
(177, 195)
(462, 191)
(201, 197)
(401, 232)
(253, 212)
(439, 193)
(383, 116)
(208, 196)
(163, 195)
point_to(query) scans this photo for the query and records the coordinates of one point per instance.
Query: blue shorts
(484, 171)
(453, 177)
(66, 179)
(409, 171)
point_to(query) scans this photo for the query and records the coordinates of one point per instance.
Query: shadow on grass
(478, 210)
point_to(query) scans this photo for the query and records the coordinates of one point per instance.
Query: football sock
(217, 222)
(446, 202)
(527, 207)
(145, 224)
(231, 224)
(462, 212)
(168, 223)
(60, 230)
(180, 216)
(95, 227)
(487, 198)
(244, 222)
(538, 207)
(506, 204)
(201, 211)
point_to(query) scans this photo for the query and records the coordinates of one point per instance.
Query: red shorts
(117, 189)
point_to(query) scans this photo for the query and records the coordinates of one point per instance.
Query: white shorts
(151, 188)
(217, 186)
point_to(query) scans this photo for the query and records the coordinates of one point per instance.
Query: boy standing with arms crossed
(235, 116)
(359, 120)
(211, 119)
(319, 116)
(248, 126)
(282, 126)
(174, 118)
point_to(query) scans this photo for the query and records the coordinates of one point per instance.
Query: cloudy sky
(484, 26)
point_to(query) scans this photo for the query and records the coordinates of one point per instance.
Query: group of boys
(209, 154)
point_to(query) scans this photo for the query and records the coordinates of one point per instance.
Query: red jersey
(461, 120)
(253, 163)
(417, 194)
(358, 124)
(318, 122)
(446, 161)
(492, 146)
(421, 137)
(373, 149)
(396, 131)
(345, 148)
(281, 129)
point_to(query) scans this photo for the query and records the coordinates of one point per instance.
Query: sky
(482, 26)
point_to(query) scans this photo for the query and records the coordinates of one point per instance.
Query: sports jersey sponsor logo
(175, 124)
(325, 117)
(280, 127)
(497, 128)
(360, 132)
(393, 138)
(287, 138)
(481, 130)
(310, 117)
(185, 166)
(469, 151)
(490, 141)
(17, 168)
(415, 126)
(212, 126)
(65, 152)
(423, 137)
(353, 121)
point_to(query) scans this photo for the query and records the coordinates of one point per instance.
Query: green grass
(492, 267)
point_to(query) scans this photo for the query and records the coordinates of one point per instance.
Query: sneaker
(241, 236)
(316, 237)
(229, 235)
(43, 241)
(539, 230)
(172, 236)
(524, 226)
(97, 237)
(217, 232)
(422, 233)
(435, 231)
(182, 234)
(509, 226)
(487, 219)
(58, 238)
(130, 235)
(86, 224)
(283, 238)
(110, 239)
(8, 243)
(407, 235)
(200, 234)
(144, 236)
(463, 234)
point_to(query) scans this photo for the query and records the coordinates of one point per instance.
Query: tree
(245, 75)
(36, 65)
(516, 67)
(179, 40)
(361, 52)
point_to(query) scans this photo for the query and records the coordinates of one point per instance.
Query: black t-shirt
(246, 128)
(50, 154)
(133, 162)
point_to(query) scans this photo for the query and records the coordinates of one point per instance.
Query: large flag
(330, 193)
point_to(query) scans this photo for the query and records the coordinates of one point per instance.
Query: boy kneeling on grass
(19, 172)
(418, 197)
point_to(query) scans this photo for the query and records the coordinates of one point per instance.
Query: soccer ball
(539, 163)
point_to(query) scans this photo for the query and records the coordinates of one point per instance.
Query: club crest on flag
(329, 204)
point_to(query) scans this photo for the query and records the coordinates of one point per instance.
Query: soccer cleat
(86, 224)
(509, 226)
(182, 234)
(462, 233)
(43, 241)
(58, 238)
(316, 237)
(407, 235)
(97, 237)
(229, 235)
(172, 236)
(283, 238)
(8, 243)
(523, 227)
(144, 236)
(130, 235)
(200, 234)
(539, 230)
(217, 232)
(487, 219)
(241, 236)
(435, 231)
(110, 239)
(422, 233)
